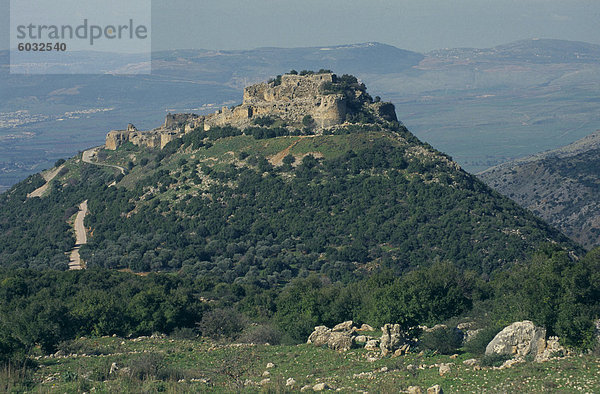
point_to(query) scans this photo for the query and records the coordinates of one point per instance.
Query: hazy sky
(419, 25)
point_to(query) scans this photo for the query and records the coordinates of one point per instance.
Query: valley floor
(177, 365)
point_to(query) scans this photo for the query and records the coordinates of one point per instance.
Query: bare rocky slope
(562, 186)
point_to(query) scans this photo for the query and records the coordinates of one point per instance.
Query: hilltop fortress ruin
(290, 97)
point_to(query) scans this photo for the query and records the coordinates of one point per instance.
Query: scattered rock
(465, 326)
(321, 387)
(361, 339)
(445, 369)
(366, 327)
(265, 382)
(454, 356)
(471, 362)
(270, 365)
(434, 328)
(306, 388)
(411, 368)
(414, 390)
(383, 369)
(291, 382)
(113, 368)
(437, 389)
(510, 363)
(402, 351)
(372, 344)
(520, 338)
(266, 374)
(345, 326)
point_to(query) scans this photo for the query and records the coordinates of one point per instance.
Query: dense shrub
(146, 366)
(494, 360)
(261, 334)
(444, 340)
(184, 333)
(222, 324)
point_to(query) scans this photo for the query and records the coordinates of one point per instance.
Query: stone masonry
(291, 100)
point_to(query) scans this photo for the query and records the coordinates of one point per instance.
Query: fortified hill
(327, 100)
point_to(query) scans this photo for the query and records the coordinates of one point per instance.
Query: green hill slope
(368, 197)
(284, 228)
(561, 186)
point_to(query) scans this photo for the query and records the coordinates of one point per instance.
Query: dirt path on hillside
(277, 160)
(48, 177)
(86, 157)
(75, 262)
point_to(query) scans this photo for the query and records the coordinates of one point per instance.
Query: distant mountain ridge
(528, 51)
(561, 185)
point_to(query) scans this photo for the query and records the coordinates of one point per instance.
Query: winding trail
(87, 158)
(48, 177)
(75, 262)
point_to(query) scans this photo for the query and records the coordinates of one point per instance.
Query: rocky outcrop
(445, 369)
(343, 337)
(336, 340)
(437, 389)
(341, 341)
(320, 336)
(518, 339)
(372, 344)
(384, 111)
(551, 348)
(467, 331)
(392, 338)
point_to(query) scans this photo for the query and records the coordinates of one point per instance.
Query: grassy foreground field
(178, 365)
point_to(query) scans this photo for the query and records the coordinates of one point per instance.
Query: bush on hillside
(261, 334)
(222, 324)
(444, 340)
